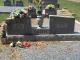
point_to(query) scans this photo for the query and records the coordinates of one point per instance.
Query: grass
(73, 7)
(3, 16)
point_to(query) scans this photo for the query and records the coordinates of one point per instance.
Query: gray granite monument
(7, 3)
(19, 3)
(19, 26)
(51, 11)
(44, 3)
(61, 24)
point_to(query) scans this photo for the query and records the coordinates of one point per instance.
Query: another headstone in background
(61, 24)
(51, 11)
(44, 3)
(7, 3)
(50, 1)
(19, 3)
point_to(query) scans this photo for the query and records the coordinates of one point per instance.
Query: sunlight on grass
(1, 2)
(73, 7)
(3, 16)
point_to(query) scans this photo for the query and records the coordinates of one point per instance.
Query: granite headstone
(51, 11)
(19, 26)
(61, 24)
(7, 3)
(19, 3)
(44, 3)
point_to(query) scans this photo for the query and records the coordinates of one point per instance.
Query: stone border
(47, 37)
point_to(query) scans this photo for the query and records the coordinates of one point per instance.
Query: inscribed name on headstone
(40, 31)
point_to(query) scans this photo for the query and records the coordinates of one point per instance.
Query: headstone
(19, 26)
(44, 3)
(50, 1)
(51, 11)
(40, 31)
(19, 3)
(61, 24)
(7, 3)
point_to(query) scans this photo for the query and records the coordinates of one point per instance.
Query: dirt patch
(75, 0)
(42, 44)
(14, 53)
(64, 12)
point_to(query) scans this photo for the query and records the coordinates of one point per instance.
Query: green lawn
(1, 2)
(71, 6)
(3, 16)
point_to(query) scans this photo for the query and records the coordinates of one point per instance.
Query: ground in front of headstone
(52, 50)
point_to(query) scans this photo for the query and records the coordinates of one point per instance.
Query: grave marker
(44, 3)
(20, 26)
(51, 11)
(61, 24)
(19, 3)
(7, 3)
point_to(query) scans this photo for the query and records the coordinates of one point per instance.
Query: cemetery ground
(42, 50)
